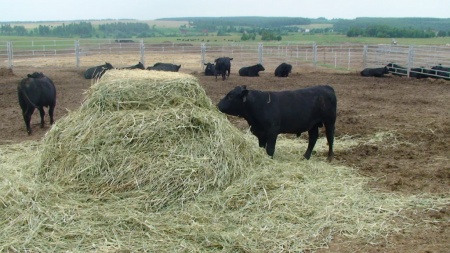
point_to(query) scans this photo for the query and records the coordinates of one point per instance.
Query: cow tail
(29, 100)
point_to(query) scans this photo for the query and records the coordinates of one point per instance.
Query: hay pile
(152, 131)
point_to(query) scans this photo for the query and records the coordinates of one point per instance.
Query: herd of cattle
(437, 71)
(267, 113)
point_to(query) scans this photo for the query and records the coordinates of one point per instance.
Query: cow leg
(50, 113)
(330, 138)
(271, 141)
(313, 135)
(42, 113)
(27, 118)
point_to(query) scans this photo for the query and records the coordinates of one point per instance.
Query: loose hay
(146, 130)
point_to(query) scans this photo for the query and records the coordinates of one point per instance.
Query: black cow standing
(137, 66)
(35, 92)
(252, 70)
(223, 65)
(283, 70)
(296, 111)
(98, 71)
(165, 67)
(376, 72)
(210, 69)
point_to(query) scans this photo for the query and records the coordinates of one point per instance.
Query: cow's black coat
(445, 71)
(210, 69)
(377, 72)
(252, 70)
(283, 70)
(33, 92)
(137, 66)
(223, 65)
(295, 111)
(98, 71)
(165, 67)
(396, 69)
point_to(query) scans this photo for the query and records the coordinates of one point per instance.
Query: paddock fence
(85, 53)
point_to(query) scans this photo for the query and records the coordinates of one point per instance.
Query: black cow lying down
(295, 111)
(377, 72)
(33, 92)
(252, 70)
(137, 66)
(165, 67)
(98, 71)
(210, 69)
(283, 70)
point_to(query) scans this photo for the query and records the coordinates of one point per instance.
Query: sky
(56, 10)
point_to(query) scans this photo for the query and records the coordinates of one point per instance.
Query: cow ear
(244, 87)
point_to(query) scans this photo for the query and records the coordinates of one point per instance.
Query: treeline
(385, 31)
(437, 24)
(83, 30)
(215, 23)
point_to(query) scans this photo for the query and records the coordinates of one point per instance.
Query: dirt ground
(416, 112)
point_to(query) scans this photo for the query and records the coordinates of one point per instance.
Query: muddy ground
(416, 112)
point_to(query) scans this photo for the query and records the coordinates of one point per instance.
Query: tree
(245, 36)
(442, 33)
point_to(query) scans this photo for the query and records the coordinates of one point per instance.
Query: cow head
(260, 67)
(140, 66)
(385, 70)
(233, 103)
(108, 65)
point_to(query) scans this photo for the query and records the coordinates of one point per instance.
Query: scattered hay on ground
(4, 72)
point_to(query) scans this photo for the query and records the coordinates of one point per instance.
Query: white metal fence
(86, 53)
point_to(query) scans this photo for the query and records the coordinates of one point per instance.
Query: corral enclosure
(192, 54)
(387, 189)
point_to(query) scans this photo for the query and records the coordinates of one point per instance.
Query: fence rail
(121, 53)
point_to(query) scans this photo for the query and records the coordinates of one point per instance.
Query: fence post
(142, 49)
(314, 55)
(260, 52)
(10, 54)
(77, 53)
(203, 52)
(410, 59)
(365, 57)
(349, 58)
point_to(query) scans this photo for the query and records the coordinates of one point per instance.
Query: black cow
(97, 72)
(210, 69)
(296, 111)
(165, 67)
(36, 91)
(252, 70)
(283, 70)
(376, 72)
(397, 70)
(137, 66)
(223, 65)
(445, 71)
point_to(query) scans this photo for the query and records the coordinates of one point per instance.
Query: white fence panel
(43, 53)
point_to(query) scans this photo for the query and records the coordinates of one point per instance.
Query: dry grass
(173, 175)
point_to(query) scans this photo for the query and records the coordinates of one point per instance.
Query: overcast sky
(46, 10)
